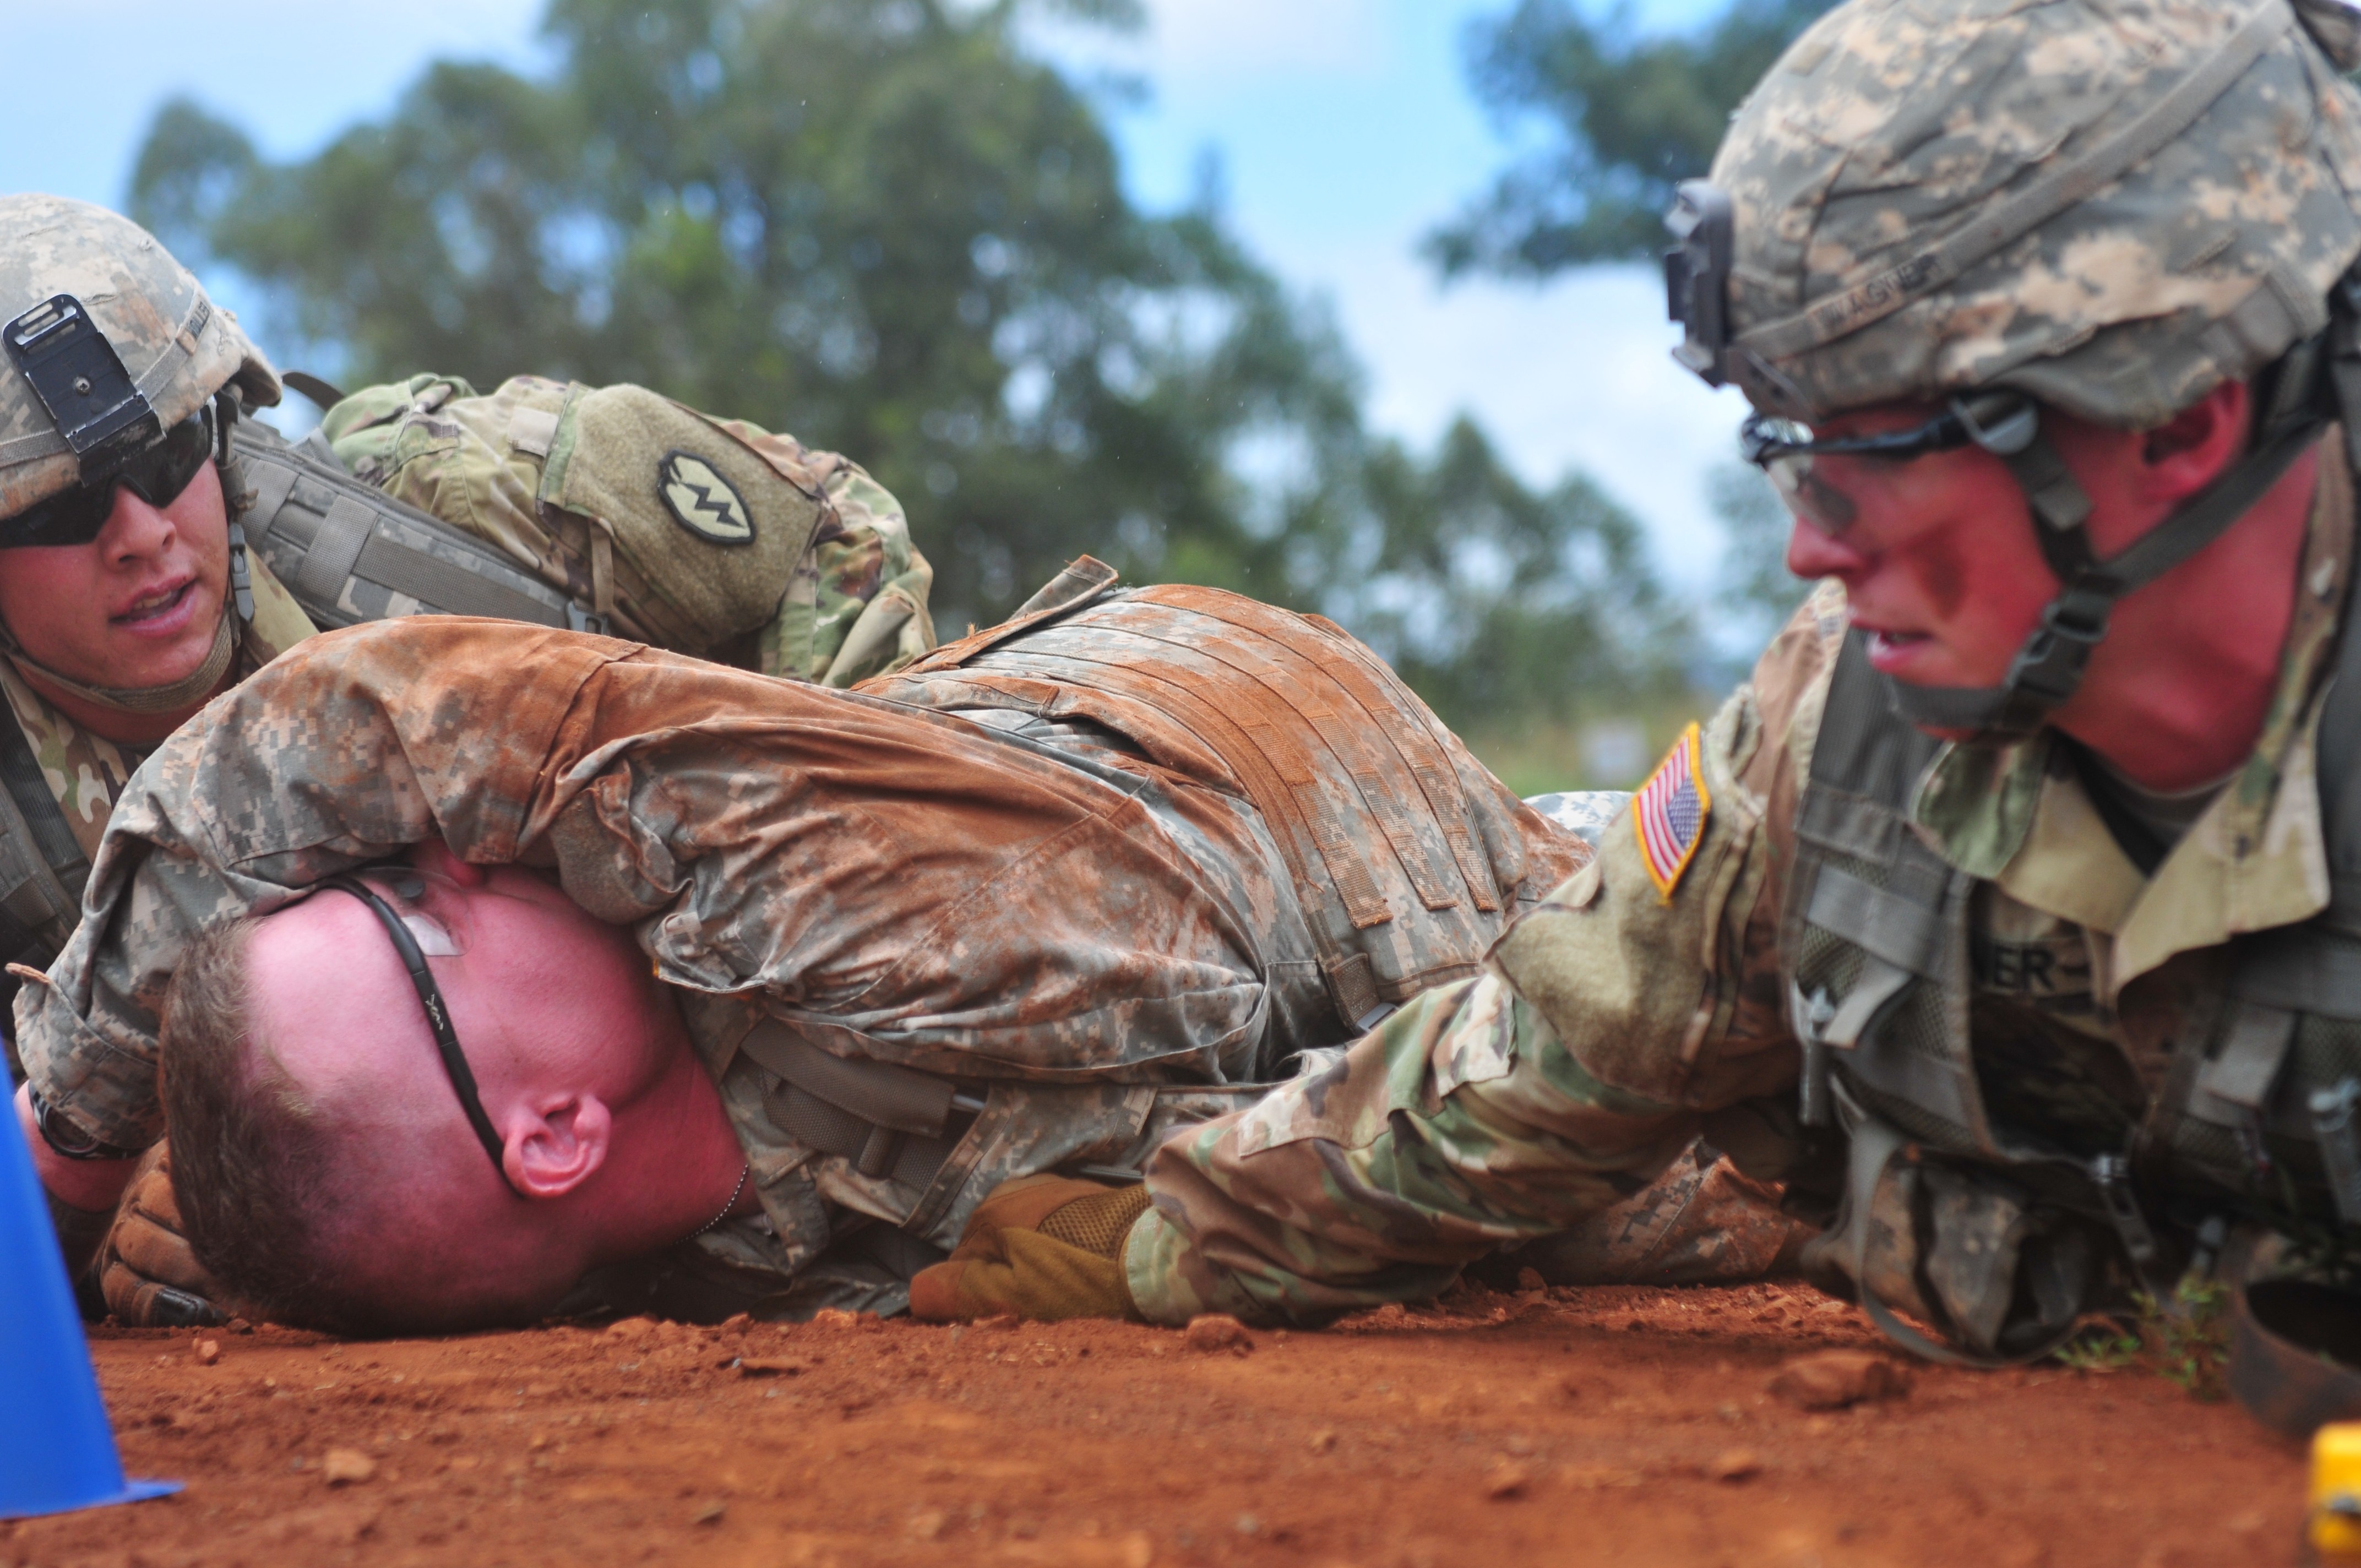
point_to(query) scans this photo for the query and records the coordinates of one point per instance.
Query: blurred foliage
(1624, 117)
(1495, 602)
(882, 225)
(1756, 587)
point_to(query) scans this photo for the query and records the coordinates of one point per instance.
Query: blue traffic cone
(57, 1450)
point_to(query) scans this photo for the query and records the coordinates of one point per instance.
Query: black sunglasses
(2004, 424)
(438, 1018)
(157, 473)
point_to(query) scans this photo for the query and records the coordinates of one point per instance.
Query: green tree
(1626, 118)
(882, 225)
(1501, 605)
(1756, 589)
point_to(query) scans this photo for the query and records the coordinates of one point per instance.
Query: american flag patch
(1670, 811)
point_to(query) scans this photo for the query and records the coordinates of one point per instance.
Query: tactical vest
(1320, 737)
(1983, 1225)
(348, 552)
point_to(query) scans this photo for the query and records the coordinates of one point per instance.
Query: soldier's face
(1937, 552)
(136, 607)
(550, 1005)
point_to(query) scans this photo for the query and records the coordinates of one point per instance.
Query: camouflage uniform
(851, 604)
(856, 606)
(1614, 1025)
(1066, 905)
(2108, 208)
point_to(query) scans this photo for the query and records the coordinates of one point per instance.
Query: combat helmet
(2104, 206)
(108, 344)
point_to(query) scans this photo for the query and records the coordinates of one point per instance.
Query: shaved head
(324, 1164)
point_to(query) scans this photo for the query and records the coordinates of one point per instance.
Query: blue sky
(1344, 127)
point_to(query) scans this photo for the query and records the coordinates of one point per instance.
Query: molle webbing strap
(1873, 298)
(889, 1121)
(41, 864)
(1381, 695)
(1085, 580)
(1318, 736)
(349, 552)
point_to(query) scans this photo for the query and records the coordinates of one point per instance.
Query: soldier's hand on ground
(1043, 1248)
(146, 1272)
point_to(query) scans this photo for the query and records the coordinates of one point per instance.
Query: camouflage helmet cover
(178, 348)
(2111, 206)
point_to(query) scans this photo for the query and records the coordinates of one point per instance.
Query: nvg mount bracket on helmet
(1696, 277)
(80, 379)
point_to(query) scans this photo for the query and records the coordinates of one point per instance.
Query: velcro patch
(1670, 811)
(702, 501)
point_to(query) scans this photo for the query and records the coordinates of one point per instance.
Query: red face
(1938, 559)
(138, 606)
(538, 991)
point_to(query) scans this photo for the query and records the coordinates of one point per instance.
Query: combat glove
(146, 1273)
(1043, 1248)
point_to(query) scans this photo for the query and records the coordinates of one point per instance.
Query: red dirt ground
(1565, 1427)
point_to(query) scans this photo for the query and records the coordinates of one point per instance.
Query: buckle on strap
(860, 1110)
(2111, 1175)
(2340, 1149)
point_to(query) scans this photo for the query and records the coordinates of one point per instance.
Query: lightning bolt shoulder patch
(702, 501)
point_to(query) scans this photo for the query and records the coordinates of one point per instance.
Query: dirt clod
(773, 1366)
(1216, 1330)
(1599, 1478)
(1531, 1279)
(1324, 1440)
(1831, 1379)
(207, 1352)
(710, 1514)
(347, 1467)
(631, 1328)
(1505, 1479)
(1734, 1464)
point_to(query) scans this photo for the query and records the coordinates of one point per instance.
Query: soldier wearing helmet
(157, 545)
(2009, 914)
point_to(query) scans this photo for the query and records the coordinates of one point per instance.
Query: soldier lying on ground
(1026, 905)
(2011, 906)
(147, 524)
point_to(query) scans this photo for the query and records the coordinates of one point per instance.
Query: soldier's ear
(2191, 449)
(556, 1147)
(435, 855)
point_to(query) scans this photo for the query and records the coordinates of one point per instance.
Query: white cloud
(1574, 375)
(1226, 38)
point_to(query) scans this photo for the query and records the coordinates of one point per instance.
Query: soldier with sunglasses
(158, 546)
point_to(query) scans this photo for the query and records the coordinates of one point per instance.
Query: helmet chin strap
(186, 692)
(2049, 667)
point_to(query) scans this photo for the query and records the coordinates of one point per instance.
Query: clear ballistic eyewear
(2003, 423)
(423, 915)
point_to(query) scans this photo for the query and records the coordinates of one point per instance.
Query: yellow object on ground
(2336, 1521)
